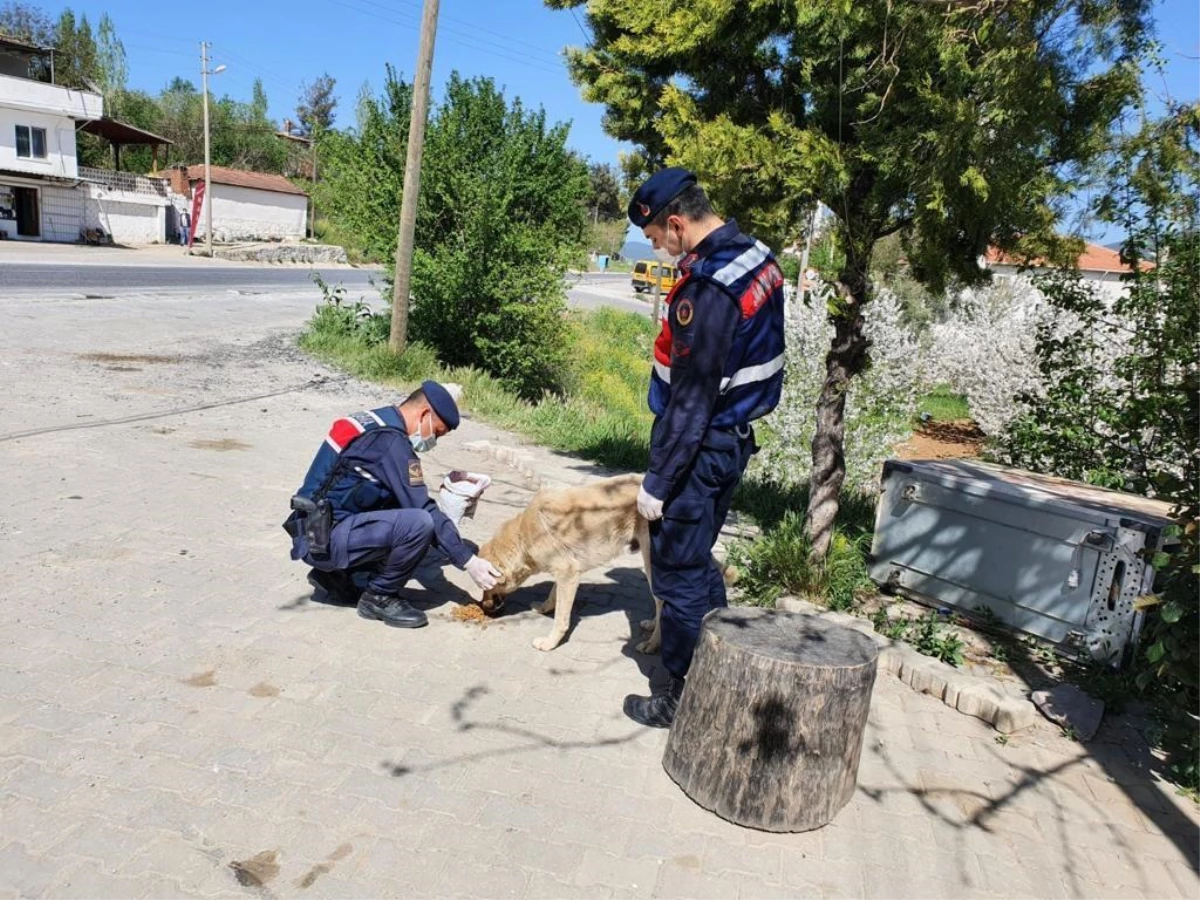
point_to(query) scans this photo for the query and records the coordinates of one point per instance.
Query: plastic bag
(460, 493)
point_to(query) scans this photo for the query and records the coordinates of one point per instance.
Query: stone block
(1004, 712)
(929, 677)
(891, 658)
(1068, 706)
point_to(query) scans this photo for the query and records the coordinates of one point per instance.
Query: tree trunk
(846, 358)
(770, 727)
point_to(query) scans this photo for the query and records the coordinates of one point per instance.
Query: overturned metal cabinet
(1057, 559)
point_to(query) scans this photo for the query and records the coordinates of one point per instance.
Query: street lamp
(208, 203)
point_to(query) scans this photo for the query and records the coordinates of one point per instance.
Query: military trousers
(685, 576)
(388, 543)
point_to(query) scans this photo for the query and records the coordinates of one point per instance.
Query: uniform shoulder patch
(684, 312)
(415, 475)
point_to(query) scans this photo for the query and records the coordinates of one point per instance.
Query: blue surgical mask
(420, 443)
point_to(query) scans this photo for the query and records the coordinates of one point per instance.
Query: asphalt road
(93, 279)
(589, 291)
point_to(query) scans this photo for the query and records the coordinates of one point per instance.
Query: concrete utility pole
(801, 290)
(412, 179)
(658, 275)
(208, 205)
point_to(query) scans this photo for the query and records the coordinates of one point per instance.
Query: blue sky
(517, 42)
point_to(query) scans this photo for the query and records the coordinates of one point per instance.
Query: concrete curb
(523, 463)
(971, 695)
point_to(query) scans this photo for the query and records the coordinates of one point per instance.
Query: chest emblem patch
(685, 313)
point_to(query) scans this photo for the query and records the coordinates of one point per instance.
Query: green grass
(778, 563)
(603, 418)
(943, 405)
(624, 265)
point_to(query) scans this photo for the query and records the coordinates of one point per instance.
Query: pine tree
(954, 124)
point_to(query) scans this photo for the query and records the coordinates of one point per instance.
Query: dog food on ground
(469, 613)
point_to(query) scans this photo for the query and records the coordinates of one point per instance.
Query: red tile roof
(1093, 259)
(259, 181)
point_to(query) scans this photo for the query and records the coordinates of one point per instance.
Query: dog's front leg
(563, 598)
(547, 606)
(653, 643)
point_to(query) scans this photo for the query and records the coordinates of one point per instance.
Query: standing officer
(718, 366)
(364, 504)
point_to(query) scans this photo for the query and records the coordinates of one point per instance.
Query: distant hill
(635, 250)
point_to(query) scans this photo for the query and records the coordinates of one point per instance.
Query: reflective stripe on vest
(752, 380)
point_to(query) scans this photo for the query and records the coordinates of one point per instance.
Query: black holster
(315, 520)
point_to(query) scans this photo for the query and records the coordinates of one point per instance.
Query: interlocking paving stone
(165, 713)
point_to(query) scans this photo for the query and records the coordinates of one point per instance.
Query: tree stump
(770, 727)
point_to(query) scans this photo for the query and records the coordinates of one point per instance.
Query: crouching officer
(718, 366)
(364, 505)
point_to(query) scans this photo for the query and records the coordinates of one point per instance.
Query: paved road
(593, 291)
(178, 718)
(110, 279)
(23, 279)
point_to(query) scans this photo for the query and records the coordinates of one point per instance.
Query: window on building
(31, 142)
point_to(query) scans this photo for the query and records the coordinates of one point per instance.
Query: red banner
(197, 205)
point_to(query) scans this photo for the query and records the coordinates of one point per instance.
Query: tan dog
(566, 533)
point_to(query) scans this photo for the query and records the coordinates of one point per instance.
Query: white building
(1099, 266)
(247, 206)
(44, 193)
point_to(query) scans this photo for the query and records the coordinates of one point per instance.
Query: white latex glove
(482, 572)
(649, 506)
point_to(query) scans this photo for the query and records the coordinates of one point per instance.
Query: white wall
(66, 209)
(49, 99)
(60, 158)
(241, 214)
(38, 105)
(128, 218)
(1107, 284)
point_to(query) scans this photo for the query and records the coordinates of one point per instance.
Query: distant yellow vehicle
(646, 270)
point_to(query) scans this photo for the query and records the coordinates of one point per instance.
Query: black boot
(658, 710)
(338, 587)
(391, 610)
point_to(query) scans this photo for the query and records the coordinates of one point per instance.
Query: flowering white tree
(880, 405)
(985, 349)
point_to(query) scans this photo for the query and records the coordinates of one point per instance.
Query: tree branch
(897, 225)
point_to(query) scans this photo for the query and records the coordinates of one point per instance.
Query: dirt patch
(326, 867)
(222, 446)
(469, 613)
(204, 679)
(264, 689)
(128, 358)
(943, 440)
(257, 870)
(313, 874)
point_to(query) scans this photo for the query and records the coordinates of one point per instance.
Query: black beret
(442, 403)
(656, 192)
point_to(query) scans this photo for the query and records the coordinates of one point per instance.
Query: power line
(470, 42)
(474, 26)
(243, 61)
(587, 37)
(481, 44)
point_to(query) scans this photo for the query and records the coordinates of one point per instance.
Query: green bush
(778, 562)
(500, 220)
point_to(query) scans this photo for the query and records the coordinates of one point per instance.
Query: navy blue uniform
(718, 366)
(384, 518)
